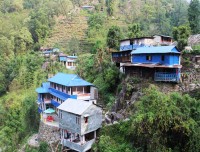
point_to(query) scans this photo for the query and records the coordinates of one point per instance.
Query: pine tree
(194, 16)
(113, 37)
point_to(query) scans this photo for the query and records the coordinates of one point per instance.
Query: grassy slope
(66, 29)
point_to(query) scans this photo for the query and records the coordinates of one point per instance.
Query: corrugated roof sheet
(74, 57)
(163, 35)
(151, 65)
(44, 88)
(75, 106)
(158, 49)
(69, 80)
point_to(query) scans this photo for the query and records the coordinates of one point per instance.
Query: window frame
(162, 58)
(149, 57)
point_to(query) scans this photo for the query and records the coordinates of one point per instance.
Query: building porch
(153, 72)
(77, 142)
(50, 119)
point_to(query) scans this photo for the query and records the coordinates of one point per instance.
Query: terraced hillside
(69, 29)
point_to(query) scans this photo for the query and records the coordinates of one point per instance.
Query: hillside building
(157, 63)
(162, 40)
(79, 122)
(68, 103)
(68, 61)
(61, 87)
(128, 45)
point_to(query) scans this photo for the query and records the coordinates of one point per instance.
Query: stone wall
(49, 134)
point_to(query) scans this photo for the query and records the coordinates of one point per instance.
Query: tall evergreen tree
(181, 35)
(194, 16)
(113, 37)
(134, 31)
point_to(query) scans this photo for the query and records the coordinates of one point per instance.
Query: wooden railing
(164, 76)
(60, 94)
(126, 47)
(121, 59)
(77, 146)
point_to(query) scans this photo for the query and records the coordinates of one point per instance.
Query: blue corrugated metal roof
(62, 58)
(44, 88)
(69, 80)
(75, 57)
(53, 102)
(131, 47)
(158, 49)
(47, 52)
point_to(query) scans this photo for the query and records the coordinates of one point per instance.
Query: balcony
(165, 76)
(122, 59)
(47, 100)
(40, 110)
(39, 99)
(50, 122)
(55, 103)
(130, 47)
(83, 96)
(60, 94)
(78, 146)
(126, 47)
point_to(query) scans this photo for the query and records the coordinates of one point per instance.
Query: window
(77, 120)
(60, 114)
(148, 57)
(69, 63)
(86, 119)
(163, 58)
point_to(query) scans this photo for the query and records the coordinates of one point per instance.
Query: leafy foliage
(134, 31)
(181, 35)
(159, 122)
(167, 122)
(113, 37)
(40, 24)
(194, 16)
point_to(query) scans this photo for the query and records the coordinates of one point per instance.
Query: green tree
(194, 16)
(113, 37)
(23, 40)
(11, 6)
(164, 122)
(30, 4)
(134, 31)
(6, 46)
(181, 35)
(110, 7)
(43, 147)
(40, 24)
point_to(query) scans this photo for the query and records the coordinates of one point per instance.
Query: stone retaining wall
(49, 134)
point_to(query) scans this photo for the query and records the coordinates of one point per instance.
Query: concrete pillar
(83, 139)
(95, 134)
(71, 137)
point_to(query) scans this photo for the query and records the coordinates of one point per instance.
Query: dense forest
(165, 122)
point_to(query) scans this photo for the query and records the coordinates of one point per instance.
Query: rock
(119, 116)
(135, 96)
(115, 122)
(127, 119)
(107, 119)
(192, 86)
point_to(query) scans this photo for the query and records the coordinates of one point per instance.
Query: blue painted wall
(62, 58)
(169, 59)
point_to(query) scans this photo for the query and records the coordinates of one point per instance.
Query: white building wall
(126, 42)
